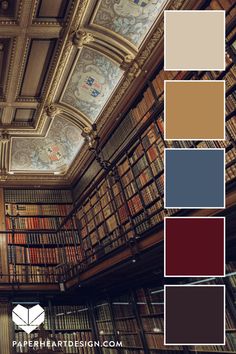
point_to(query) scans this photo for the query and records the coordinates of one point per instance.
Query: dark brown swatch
(194, 314)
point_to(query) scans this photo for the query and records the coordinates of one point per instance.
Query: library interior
(83, 188)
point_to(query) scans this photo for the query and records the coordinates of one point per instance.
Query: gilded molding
(80, 38)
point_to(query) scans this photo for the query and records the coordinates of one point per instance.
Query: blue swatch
(194, 178)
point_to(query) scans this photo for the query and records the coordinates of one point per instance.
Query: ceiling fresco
(130, 19)
(53, 153)
(92, 81)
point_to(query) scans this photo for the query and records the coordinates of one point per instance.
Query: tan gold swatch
(194, 110)
(194, 40)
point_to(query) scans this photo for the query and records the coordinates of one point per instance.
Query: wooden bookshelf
(36, 249)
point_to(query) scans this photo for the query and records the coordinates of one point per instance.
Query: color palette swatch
(194, 110)
(194, 315)
(194, 246)
(194, 178)
(194, 40)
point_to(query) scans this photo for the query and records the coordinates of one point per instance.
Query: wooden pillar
(5, 324)
(3, 241)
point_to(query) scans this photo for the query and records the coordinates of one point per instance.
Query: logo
(28, 319)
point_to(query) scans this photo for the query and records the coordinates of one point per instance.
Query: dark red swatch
(194, 314)
(194, 246)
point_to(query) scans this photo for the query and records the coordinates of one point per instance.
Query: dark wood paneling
(38, 61)
(52, 9)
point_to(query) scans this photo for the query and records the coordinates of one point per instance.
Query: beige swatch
(194, 110)
(194, 40)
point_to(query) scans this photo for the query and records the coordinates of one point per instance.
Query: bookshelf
(104, 323)
(36, 248)
(127, 323)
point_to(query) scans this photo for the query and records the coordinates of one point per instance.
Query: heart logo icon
(28, 319)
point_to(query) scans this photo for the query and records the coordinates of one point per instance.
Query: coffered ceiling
(65, 64)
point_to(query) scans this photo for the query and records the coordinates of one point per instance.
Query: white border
(186, 285)
(199, 275)
(195, 69)
(200, 138)
(194, 207)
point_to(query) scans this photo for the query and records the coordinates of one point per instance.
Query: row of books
(33, 274)
(59, 238)
(71, 317)
(230, 173)
(35, 223)
(127, 325)
(44, 196)
(231, 127)
(230, 103)
(230, 155)
(31, 255)
(37, 209)
(131, 340)
(18, 254)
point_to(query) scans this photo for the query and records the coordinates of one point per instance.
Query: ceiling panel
(24, 115)
(91, 83)
(52, 9)
(38, 62)
(49, 154)
(130, 19)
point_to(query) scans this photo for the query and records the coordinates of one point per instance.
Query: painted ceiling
(53, 153)
(65, 64)
(130, 19)
(91, 83)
